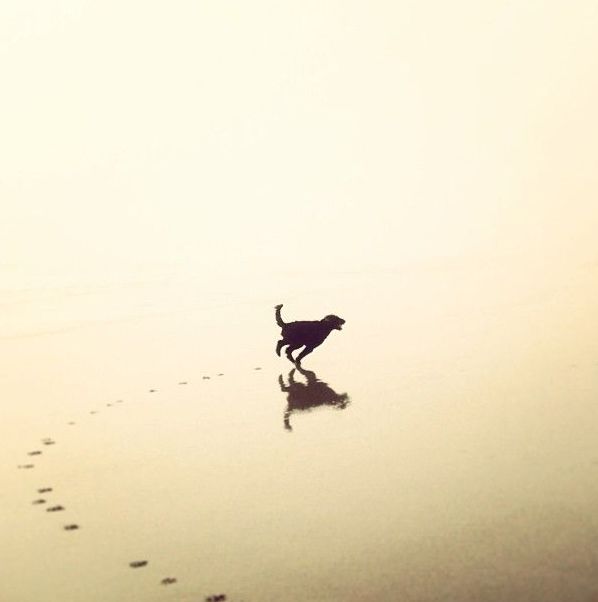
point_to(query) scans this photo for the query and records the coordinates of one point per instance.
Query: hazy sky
(337, 134)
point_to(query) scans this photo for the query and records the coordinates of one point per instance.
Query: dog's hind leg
(290, 350)
(279, 346)
(305, 352)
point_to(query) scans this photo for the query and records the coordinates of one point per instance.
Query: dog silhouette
(307, 333)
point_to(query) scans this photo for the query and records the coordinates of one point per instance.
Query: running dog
(309, 334)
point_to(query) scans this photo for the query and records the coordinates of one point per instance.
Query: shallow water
(443, 446)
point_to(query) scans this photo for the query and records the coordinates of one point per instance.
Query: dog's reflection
(309, 395)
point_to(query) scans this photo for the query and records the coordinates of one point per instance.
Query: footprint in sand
(136, 564)
(216, 598)
(168, 581)
(71, 423)
(37, 502)
(119, 401)
(34, 453)
(25, 466)
(205, 378)
(108, 405)
(94, 412)
(48, 441)
(153, 390)
(72, 527)
(55, 509)
(44, 489)
(221, 374)
(184, 382)
(258, 368)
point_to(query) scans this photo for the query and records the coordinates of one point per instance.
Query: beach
(172, 172)
(452, 456)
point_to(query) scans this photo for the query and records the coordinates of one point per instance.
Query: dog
(309, 334)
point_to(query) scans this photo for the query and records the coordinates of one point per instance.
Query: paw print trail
(45, 502)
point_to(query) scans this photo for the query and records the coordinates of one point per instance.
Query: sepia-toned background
(171, 171)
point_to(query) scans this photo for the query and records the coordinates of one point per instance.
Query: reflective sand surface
(443, 446)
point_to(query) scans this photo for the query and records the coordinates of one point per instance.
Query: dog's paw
(278, 306)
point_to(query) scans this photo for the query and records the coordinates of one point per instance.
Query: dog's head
(334, 322)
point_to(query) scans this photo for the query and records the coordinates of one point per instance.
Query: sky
(333, 135)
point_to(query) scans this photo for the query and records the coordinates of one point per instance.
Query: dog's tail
(278, 316)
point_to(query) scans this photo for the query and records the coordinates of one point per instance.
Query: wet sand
(443, 446)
